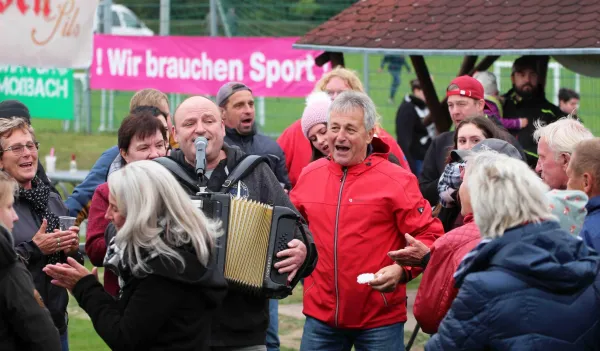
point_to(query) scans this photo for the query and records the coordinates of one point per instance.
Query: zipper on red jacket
(335, 235)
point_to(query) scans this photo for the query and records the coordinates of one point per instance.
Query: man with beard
(236, 103)
(526, 100)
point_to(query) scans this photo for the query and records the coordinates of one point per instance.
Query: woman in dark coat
(162, 255)
(37, 237)
(25, 324)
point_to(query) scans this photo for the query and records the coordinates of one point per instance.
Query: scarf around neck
(37, 197)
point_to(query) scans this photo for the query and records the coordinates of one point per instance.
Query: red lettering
(38, 7)
(23, 7)
(4, 5)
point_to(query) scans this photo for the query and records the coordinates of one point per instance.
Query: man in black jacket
(242, 321)
(236, 103)
(413, 136)
(465, 99)
(526, 100)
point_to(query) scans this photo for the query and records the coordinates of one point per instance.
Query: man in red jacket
(358, 206)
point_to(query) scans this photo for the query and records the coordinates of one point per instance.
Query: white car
(124, 22)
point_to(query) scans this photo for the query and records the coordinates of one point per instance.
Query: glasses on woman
(18, 149)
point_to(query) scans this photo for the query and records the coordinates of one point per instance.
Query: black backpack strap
(242, 170)
(179, 173)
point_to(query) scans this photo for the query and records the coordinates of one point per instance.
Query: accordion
(253, 235)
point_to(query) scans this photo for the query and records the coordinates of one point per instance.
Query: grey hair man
(359, 205)
(556, 143)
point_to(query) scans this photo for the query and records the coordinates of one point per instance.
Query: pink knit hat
(315, 112)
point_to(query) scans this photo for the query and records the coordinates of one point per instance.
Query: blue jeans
(418, 167)
(64, 341)
(395, 83)
(273, 330)
(320, 336)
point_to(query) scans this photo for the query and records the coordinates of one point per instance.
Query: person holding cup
(38, 237)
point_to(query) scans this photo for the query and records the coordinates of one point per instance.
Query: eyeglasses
(19, 148)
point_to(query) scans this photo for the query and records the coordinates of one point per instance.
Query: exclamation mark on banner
(99, 62)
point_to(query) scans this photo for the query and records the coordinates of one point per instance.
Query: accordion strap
(179, 173)
(241, 170)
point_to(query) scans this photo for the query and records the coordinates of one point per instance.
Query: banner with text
(47, 34)
(48, 93)
(200, 65)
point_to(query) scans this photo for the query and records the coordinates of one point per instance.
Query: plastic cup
(66, 222)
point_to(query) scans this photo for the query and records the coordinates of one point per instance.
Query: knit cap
(315, 112)
(569, 207)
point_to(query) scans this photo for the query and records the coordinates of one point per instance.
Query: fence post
(366, 72)
(106, 29)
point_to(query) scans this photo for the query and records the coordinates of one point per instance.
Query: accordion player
(253, 235)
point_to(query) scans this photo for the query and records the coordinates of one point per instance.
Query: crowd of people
(500, 216)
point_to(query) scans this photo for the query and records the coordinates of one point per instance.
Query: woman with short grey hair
(170, 286)
(528, 284)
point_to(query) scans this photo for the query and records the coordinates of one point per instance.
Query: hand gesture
(50, 243)
(412, 254)
(296, 254)
(66, 275)
(386, 280)
(74, 247)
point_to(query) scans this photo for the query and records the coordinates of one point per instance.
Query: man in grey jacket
(236, 103)
(242, 321)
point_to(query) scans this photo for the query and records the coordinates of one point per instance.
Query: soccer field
(281, 112)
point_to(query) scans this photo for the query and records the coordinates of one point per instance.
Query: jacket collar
(234, 135)
(377, 152)
(593, 204)
(468, 218)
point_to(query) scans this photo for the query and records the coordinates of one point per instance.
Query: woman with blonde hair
(297, 150)
(24, 323)
(528, 284)
(162, 253)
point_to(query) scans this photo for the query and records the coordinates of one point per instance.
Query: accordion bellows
(247, 217)
(253, 235)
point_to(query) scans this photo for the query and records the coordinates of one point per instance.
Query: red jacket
(298, 153)
(394, 147)
(95, 246)
(297, 150)
(356, 217)
(436, 291)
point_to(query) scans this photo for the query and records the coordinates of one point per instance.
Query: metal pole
(88, 101)
(165, 16)
(260, 104)
(366, 72)
(111, 110)
(106, 29)
(213, 18)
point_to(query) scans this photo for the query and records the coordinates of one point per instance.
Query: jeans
(320, 336)
(395, 83)
(418, 167)
(64, 341)
(273, 330)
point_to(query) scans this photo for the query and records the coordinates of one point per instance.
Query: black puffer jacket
(24, 324)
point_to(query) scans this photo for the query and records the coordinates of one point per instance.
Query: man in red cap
(465, 100)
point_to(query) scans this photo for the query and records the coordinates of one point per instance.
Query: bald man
(241, 322)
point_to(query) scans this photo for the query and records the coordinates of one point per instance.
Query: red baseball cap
(465, 86)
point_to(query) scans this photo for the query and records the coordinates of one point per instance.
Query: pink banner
(200, 65)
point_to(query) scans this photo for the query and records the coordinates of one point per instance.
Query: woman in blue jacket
(528, 285)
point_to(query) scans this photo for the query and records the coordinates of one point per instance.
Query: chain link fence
(265, 18)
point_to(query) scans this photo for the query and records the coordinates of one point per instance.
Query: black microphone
(201, 144)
